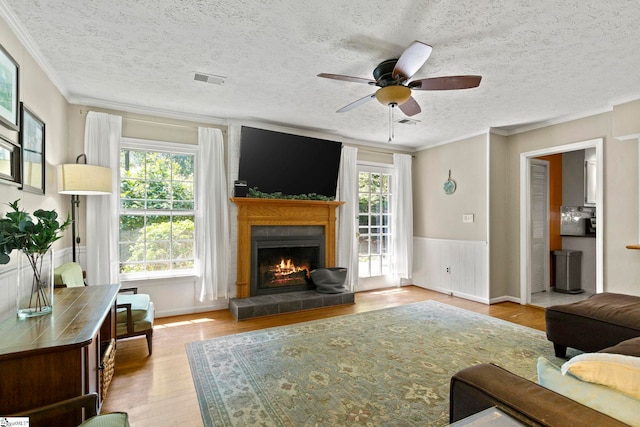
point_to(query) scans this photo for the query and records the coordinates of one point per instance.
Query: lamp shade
(83, 179)
(393, 95)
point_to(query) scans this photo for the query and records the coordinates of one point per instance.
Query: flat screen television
(279, 162)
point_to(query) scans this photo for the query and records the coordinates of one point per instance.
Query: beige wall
(438, 215)
(625, 120)
(41, 96)
(620, 210)
(498, 202)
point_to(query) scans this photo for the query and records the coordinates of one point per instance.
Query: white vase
(35, 284)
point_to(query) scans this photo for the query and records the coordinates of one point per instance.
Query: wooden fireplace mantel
(257, 212)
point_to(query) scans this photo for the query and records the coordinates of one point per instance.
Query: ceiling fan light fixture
(397, 95)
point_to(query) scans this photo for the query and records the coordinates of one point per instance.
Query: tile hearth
(266, 305)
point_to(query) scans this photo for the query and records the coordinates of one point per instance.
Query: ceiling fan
(392, 77)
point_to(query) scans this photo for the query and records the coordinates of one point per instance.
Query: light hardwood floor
(158, 390)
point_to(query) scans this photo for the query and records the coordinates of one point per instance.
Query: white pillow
(603, 399)
(616, 371)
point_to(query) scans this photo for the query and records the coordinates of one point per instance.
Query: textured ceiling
(539, 60)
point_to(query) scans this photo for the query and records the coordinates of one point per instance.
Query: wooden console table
(53, 357)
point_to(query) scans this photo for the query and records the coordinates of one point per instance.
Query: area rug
(388, 367)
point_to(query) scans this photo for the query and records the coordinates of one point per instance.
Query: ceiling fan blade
(357, 103)
(446, 83)
(347, 78)
(410, 107)
(412, 59)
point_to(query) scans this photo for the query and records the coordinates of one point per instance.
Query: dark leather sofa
(482, 386)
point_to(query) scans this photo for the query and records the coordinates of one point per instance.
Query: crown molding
(155, 112)
(456, 139)
(560, 120)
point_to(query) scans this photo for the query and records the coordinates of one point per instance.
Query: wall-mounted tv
(290, 164)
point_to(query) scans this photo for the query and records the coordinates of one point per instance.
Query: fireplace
(282, 258)
(283, 230)
(289, 224)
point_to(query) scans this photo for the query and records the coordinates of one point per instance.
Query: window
(157, 209)
(374, 187)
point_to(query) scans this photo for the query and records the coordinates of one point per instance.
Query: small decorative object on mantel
(19, 231)
(450, 185)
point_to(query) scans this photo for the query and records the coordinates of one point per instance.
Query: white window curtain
(347, 250)
(402, 217)
(102, 146)
(212, 217)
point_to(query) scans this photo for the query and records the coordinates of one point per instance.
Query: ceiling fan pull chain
(391, 122)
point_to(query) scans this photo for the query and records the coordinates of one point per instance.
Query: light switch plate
(467, 218)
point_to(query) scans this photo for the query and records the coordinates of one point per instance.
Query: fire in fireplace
(282, 259)
(286, 266)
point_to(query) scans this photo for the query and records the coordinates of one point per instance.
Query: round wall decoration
(450, 185)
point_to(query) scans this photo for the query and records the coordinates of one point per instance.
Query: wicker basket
(107, 368)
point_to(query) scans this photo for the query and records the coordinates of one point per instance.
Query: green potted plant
(33, 237)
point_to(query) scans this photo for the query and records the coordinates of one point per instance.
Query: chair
(68, 275)
(45, 415)
(135, 316)
(135, 312)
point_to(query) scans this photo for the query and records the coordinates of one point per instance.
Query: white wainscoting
(174, 296)
(454, 267)
(171, 296)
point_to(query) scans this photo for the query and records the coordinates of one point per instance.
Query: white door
(539, 225)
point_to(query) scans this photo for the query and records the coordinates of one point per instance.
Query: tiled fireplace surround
(287, 213)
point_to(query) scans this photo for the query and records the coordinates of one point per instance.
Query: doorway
(529, 249)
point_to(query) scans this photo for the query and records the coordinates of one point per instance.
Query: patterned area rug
(389, 367)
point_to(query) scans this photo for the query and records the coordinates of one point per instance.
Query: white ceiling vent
(408, 121)
(209, 78)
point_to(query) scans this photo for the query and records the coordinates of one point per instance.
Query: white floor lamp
(80, 179)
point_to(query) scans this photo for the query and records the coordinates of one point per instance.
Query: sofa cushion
(619, 372)
(630, 347)
(144, 324)
(596, 396)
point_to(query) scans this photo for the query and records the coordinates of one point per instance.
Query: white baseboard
(221, 305)
(505, 298)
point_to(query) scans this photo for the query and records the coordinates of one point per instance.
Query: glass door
(374, 231)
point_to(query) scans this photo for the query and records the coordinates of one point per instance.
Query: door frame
(525, 203)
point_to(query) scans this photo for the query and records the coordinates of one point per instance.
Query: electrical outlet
(467, 218)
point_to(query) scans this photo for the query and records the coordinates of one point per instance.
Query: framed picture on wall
(9, 98)
(9, 162)
(32, 139)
